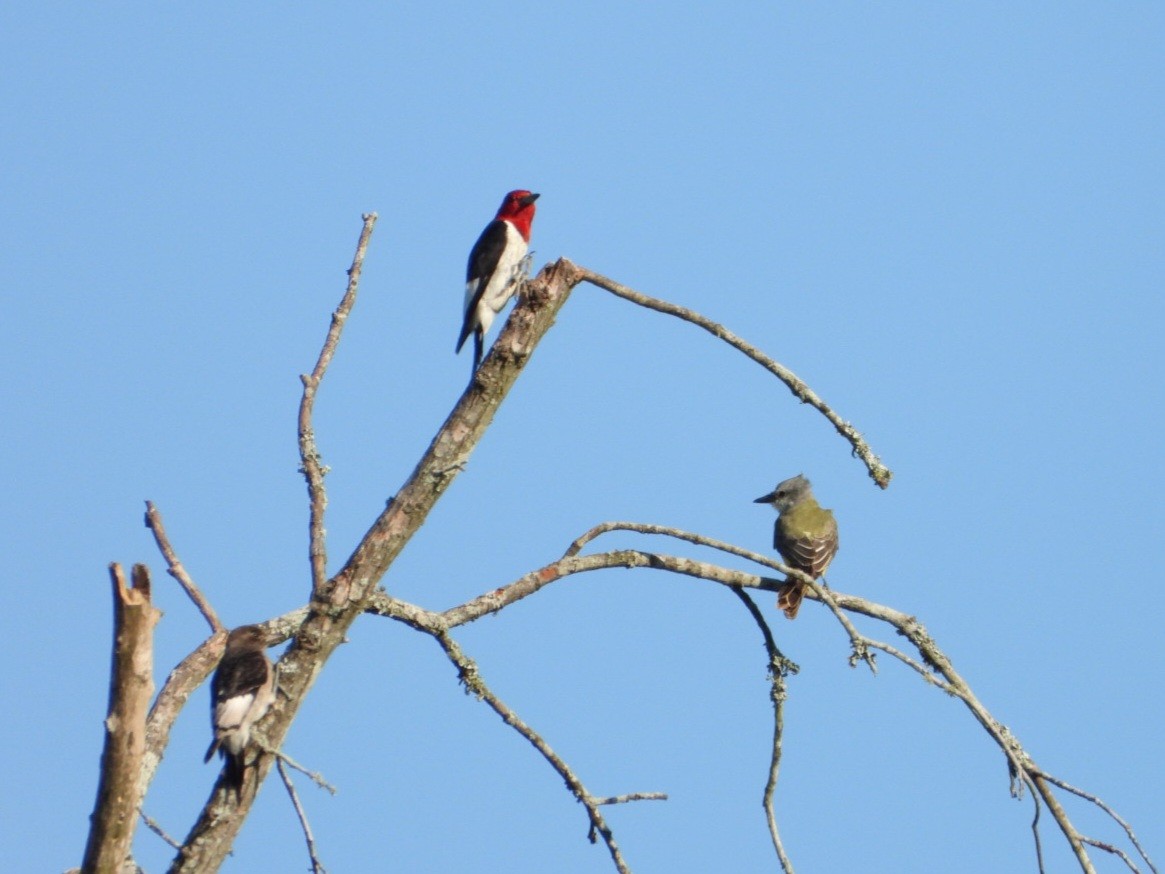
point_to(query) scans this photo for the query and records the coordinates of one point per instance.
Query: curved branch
(878, 471)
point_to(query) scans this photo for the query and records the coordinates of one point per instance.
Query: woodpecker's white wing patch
(231, 712)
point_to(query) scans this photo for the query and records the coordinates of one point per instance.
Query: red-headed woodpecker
(241, 691)
(495, 265)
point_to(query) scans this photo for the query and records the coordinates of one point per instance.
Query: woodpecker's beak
(529, 199)
(766, 499)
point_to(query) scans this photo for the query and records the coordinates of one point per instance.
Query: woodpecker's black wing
(243, 674)
(483, 261)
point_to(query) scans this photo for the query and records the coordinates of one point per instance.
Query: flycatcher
(805, 535)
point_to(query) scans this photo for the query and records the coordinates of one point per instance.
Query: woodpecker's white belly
(501, 283)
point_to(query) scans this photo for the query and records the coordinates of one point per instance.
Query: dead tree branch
(154, 826)
(343, 598)
(131, 685)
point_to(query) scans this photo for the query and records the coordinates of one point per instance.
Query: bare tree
(317, 629)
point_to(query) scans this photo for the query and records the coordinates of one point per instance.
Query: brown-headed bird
(241, 692)
(805, 535)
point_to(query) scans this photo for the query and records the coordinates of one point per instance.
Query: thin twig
(1036, 833)
(317, 867)
(1128, 829)
(315, 776)
(310, 464)
(878, 471)
(176, 570)
(1116, 851)
(916, 666)
(779, 668)
(153, 826)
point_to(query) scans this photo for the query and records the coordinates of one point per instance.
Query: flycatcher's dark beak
(529, 199)
(766, 499)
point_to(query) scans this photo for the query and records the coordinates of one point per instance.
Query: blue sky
(946, 218)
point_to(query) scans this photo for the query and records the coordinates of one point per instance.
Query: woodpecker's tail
(789, 598)
(210, 751)
(478, 344)
(233, 773)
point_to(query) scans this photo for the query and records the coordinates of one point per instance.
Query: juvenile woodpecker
(494, 268)
(241, 691)
(805, 535)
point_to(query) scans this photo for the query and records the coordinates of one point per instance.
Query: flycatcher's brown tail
(789, 598)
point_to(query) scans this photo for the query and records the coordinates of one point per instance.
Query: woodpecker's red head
(518, 209)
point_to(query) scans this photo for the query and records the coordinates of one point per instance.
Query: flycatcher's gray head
(787, 494)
